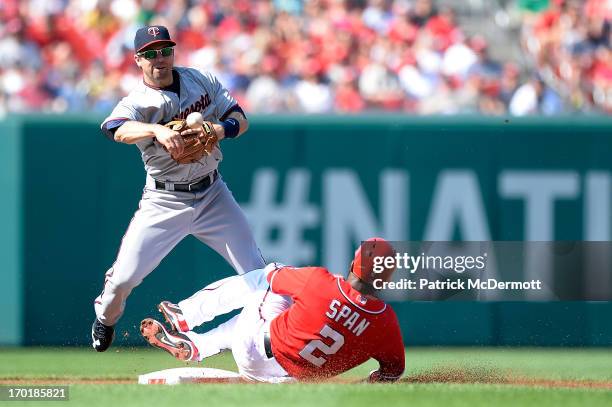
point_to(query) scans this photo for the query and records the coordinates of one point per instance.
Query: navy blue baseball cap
(149, 35)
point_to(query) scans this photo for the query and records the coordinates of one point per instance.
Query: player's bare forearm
(244, 125)
(132, 132)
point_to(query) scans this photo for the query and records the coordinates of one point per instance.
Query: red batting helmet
(363, 263)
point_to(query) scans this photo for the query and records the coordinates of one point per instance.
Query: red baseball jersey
(331, 327)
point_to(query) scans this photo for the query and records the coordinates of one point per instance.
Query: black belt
(268, 345)
(201, 185)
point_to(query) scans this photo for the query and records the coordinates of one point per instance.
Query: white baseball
(194, 119)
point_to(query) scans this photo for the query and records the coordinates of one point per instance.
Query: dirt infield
(439, 375)
(491, 376)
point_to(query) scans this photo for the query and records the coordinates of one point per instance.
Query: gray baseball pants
(163, 219)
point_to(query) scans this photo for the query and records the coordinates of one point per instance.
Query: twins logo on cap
(150, 35)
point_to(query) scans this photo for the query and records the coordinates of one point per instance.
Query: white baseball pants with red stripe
(244, 333)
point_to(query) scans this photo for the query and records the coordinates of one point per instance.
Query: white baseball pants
(244, 333)
(163, 219)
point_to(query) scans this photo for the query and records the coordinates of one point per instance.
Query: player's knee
(254, 263)
(125, 284)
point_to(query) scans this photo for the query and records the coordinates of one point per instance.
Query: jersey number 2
(326, 332)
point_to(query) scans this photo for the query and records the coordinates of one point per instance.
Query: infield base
(189, 375)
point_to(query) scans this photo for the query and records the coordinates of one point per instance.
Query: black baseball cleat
(174, 316)
(176, 344)
(101, 336)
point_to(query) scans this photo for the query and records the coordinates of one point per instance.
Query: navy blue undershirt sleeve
(110, 127)
(235, 108)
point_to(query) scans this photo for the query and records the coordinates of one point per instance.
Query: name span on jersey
(350, 317)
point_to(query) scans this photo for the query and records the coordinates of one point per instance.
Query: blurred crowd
(314, 56)
(570, 45)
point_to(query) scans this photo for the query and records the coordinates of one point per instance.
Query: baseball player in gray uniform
(178, 199)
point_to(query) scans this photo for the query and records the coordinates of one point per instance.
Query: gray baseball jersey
(166, 213)
(197, 92)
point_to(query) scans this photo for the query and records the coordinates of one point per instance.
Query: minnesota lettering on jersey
(195, 107)
(349, 316)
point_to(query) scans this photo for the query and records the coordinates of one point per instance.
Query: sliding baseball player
(296, 323)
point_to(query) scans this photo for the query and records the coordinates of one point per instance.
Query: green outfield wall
(11, 235)
(312, 188)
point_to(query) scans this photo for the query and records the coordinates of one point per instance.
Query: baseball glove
(197, 145)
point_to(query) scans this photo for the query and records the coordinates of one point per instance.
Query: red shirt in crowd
(331, 327)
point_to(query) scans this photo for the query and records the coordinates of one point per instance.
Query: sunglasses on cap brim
(152, 53)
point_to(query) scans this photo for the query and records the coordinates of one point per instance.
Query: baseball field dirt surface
(434, 377)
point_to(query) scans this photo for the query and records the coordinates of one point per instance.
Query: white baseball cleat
(173, 315)
(176, 344)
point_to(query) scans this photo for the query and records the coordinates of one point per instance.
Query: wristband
(231, 127)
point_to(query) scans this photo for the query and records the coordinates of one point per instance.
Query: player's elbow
(123, 133)
(119, 135)
(244, 126)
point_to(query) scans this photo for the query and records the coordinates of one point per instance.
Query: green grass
(484, 364)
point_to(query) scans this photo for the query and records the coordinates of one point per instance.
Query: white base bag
(190, 375)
